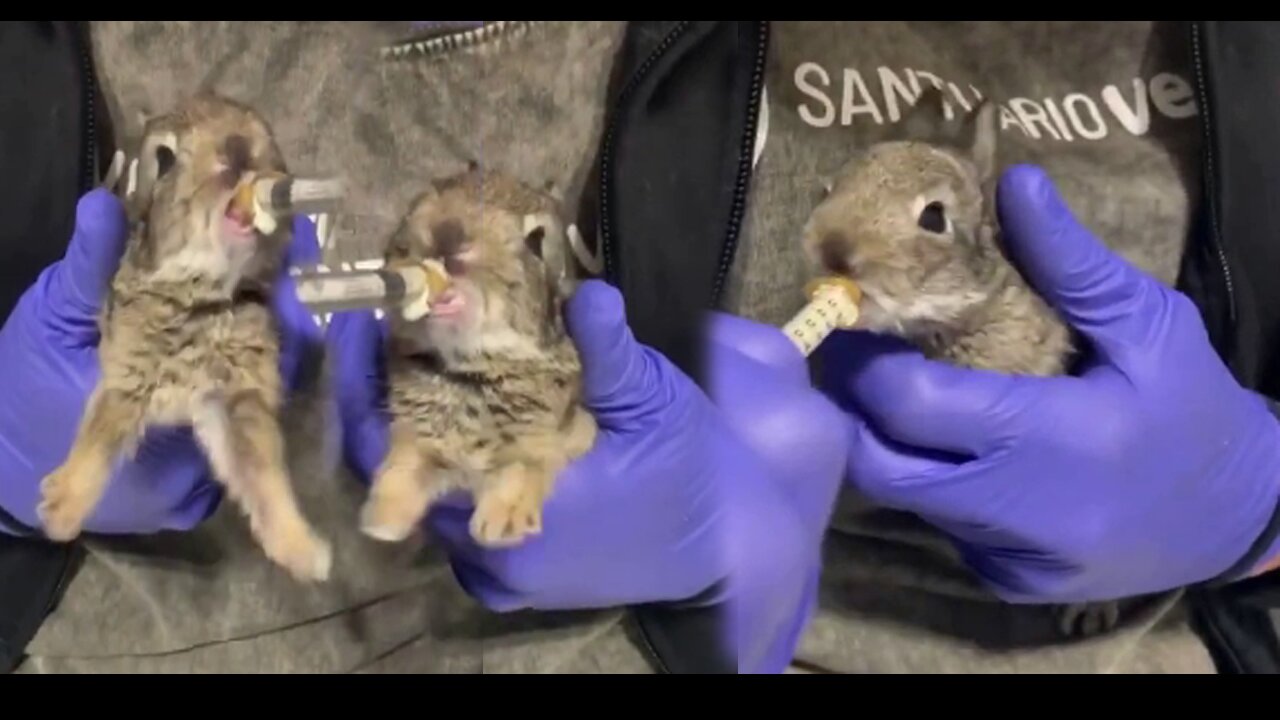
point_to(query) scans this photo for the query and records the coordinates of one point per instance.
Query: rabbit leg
(111, 421)
(402, 490)
(241, 436)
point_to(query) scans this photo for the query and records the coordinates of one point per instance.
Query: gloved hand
(677, 494)
(1151, 469)
(637, 519)
(785, 452)
(49, 365)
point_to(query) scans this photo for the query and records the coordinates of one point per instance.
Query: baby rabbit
(485, 391)
(913, 223)
(188, 337)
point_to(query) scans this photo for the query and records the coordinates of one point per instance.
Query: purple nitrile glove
(786, 452)
(637, 519)
(49, 365)
(677, 493)
(1150, 470)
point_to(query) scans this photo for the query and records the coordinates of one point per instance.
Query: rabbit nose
(238, 152)
(449, 236)
(836, 253)
(450, 241)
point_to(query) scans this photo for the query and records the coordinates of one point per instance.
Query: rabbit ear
(981, 131)
(924, 121)
(156, 158)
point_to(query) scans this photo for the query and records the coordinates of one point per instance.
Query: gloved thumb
(617, 371)
(300, 332)
(765, 344)
(78, 284)
(1094, 289)
(356, 341)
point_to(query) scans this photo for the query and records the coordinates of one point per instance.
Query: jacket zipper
(457, 40)
(610, 137)
(604, 244)
(88, 99)
(746, 154)
(746, 163)
(1206, 127)
(605, 235)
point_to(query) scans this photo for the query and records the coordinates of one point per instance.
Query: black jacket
(690, 154)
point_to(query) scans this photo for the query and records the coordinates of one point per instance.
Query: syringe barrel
(327, 292)
(288, 194)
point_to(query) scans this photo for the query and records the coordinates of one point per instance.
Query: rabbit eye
(933, 218)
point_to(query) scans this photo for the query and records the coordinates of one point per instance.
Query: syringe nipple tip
(834, 281)
(437, 276)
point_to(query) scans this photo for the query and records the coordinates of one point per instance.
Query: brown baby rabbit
(484, 392)
(913, 223)
(188, 337)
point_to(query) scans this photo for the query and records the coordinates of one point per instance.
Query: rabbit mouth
(879, 313)
(234, 227)
(450, 303)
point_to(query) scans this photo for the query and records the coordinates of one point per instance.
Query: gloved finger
(615, 368)
(450, 527)
(796, 431)
(299, 327)
(164, 485)
(196, 507)
(841, 353)
(304, 248)
(1014, 581)
(960, 496)
(480, 571)
(765, 344)
(519, 567)
(459, 501)
(366, 440)
(356, 341)
(891, 474)
(83, 277)
(1096, 290)
(929, 404)
(484, 588)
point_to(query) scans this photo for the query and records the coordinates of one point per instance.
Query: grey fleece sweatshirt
(529, 101)
(1104, 106)
(1107, 109)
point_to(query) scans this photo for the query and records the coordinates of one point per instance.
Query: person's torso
(45, 139)
(1108, 109)
(351, 99)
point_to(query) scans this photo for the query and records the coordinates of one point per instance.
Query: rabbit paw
(301, 552)
(1084, 620)
(64, 504)
(508, 512)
